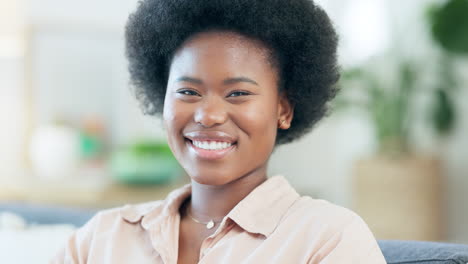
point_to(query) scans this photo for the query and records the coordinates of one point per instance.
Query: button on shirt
(273, 224)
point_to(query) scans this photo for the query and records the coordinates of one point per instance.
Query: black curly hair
(299, 34)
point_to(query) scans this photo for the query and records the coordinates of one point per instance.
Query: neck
(214, 202)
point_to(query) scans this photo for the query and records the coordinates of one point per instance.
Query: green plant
(449, 25)
(390, 103)
(449, 28)
(144, 162)
(150, 147)
(442, 113)
(388, 106)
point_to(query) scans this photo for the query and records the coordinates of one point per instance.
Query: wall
(12, 113)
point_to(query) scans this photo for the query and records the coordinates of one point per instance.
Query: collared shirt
(273, 224)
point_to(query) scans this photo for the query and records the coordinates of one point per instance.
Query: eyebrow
(225, 82)
(189, 79)
(239, 79)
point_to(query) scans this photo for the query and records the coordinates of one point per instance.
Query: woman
(232, 80)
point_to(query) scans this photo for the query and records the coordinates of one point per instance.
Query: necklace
(208, 225)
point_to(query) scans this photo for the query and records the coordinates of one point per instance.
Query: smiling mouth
(210, 149)
(211, 145)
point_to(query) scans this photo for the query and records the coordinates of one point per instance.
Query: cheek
(173, 120)
(174, 113)
(169, 119)
(168, 110)
(259, 121)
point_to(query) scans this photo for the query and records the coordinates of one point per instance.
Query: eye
(188, 92)
(238, 93)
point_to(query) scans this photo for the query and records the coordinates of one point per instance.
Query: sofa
(395, 252)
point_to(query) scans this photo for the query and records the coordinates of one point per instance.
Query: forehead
(218, 52)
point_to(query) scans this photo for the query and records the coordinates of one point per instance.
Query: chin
(214, 179)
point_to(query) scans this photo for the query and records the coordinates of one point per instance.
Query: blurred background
(395, 148)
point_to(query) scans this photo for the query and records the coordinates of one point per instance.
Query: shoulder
(134, 213)
(103, 231)
(335, 234)
(131, 213)
(323, 218)
(322, 211)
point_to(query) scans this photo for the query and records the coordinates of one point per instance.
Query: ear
(285, 112)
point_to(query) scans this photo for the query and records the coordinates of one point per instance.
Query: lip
(210, 136)
(209, 154)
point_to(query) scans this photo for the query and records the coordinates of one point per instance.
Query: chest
(191, 239)
(232, 244)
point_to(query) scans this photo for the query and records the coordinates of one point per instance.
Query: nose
(211, 112)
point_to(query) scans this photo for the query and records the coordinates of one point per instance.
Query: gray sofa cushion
(402, 252)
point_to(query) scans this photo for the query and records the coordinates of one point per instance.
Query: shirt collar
(259, 212)
(154, 212)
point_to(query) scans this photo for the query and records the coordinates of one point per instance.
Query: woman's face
(222, 107)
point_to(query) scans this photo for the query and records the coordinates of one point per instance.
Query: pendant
(210, 224)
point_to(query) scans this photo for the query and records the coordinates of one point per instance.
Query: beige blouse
(273, 224)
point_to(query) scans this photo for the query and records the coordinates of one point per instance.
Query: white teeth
(211, 145)
(205, 145)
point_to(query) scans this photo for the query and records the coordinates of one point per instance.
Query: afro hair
(299, 34)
